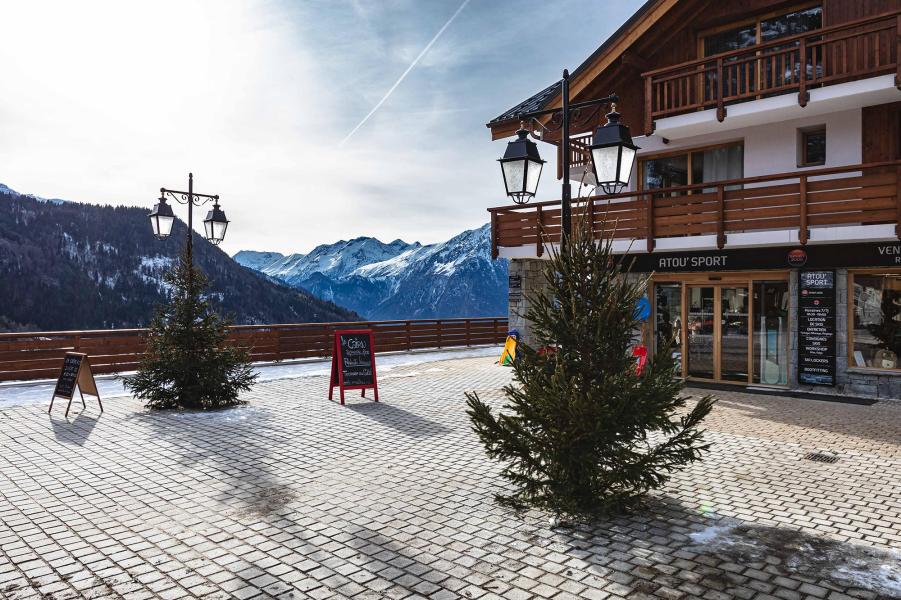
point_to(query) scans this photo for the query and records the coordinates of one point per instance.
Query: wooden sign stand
(353, 363)
(76, 371)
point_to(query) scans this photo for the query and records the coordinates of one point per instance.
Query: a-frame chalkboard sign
(353, 363)
(76, 371)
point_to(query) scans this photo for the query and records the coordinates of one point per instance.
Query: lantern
(613, 154)
(521, 168)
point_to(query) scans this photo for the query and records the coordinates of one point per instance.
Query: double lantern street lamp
(612, 154)
(162, 217)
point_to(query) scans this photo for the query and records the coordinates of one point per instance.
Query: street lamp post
(612, 155)
(162, 217)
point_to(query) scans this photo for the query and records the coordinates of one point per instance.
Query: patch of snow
(155, 263)
(110, 386)
(844, 564)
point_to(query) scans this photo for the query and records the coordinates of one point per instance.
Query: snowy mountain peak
(257, 260)
(400, 280)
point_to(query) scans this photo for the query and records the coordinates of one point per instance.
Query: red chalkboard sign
(353, 363)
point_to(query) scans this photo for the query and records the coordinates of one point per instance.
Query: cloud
(106, 101)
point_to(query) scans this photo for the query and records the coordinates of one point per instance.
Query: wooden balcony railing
(38, 355)
(853, 50)
(864, 194)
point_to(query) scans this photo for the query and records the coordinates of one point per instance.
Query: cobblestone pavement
(297, 497)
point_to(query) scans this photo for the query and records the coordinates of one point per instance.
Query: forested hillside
(67, 265)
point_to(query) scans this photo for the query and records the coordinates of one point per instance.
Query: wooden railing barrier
(36, 355)
(836, 54)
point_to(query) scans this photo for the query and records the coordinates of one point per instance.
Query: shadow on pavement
(400, 420)
(74, 430)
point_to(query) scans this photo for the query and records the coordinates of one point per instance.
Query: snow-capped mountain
(456, 278)
(258, 260)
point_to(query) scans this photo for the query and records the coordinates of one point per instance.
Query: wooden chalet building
(766, 199)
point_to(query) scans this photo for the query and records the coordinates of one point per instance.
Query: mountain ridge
(399, 280)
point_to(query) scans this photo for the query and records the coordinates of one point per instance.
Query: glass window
(668, 321)
(813, 147)
(731, 39)
(718, 164)
(665, 172)
(701, 166)
(876, 326)
(791, 24)
(771, 332)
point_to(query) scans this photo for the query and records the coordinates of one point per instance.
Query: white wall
(773, 148)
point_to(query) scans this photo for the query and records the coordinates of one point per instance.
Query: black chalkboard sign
(353, 362)
(816, 328)
(68, 377)
(76, 372)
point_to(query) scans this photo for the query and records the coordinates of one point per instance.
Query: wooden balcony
(867, 194)
(795, 64)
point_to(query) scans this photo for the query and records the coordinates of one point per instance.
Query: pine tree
(580, 433)
(186, 362)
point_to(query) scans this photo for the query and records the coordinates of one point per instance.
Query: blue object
(642, 309)
(514, 333)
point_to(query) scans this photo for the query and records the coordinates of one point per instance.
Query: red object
(353, 363)
(641, 353)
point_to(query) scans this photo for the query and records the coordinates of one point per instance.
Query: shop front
(823, 318)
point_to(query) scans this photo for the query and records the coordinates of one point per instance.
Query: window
(718, 163)
(812, 147)
(782, 67)
(875, 340)
(764, 28)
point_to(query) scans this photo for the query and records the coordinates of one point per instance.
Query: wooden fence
(36, 355)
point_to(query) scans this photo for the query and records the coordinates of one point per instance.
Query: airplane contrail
(404, 74)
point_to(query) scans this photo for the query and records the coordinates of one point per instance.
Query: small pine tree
(581, 434)
(186, 362)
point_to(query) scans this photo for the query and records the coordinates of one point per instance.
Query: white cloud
(106, 101)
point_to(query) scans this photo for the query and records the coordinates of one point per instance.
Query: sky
(313, 120)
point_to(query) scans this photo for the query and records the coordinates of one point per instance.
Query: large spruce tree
(187, 362)
(581, 433)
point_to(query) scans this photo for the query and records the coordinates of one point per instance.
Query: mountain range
(69, 265)
(397, 280)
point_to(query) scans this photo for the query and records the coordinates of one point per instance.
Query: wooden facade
(668, 36)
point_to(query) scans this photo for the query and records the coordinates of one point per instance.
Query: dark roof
(541, 99)
(536, 102)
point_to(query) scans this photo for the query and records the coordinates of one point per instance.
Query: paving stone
(293, 496)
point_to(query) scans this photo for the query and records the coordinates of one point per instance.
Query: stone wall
(530, 274)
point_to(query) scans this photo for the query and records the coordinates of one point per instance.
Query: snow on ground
(842, 563)
(39, 392)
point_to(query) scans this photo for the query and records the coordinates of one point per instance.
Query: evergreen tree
(580, 433)
(187, 363)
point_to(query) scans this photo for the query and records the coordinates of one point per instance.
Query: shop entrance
(725, 330)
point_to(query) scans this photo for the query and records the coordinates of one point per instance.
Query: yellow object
(509, 353)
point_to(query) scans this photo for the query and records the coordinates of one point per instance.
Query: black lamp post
(612, 155)
(162, 217)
